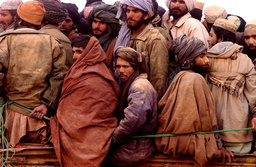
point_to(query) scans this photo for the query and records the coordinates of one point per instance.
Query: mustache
(130, 19)
(96, 29)
(176, 9)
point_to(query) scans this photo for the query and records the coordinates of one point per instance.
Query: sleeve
(3, 64)
(159, 59)
(135, 115)
(55, 80)
(250, 90)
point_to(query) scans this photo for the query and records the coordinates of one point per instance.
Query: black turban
(73, 12)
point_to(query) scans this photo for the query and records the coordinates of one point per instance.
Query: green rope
(193, 133)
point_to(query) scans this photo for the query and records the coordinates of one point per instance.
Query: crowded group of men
(112, 74)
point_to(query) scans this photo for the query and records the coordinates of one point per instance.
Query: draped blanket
(187, 107)
(85, 119)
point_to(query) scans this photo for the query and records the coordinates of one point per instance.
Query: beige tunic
(32, 68)
(233, 111)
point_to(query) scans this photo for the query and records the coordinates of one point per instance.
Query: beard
(137, 24)
(200, 70)
(178, 14)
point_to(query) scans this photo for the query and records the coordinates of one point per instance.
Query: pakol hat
(226, 24)
(10, 4)
(31, 12)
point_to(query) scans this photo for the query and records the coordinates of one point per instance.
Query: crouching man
(188, 106)
(137, 111)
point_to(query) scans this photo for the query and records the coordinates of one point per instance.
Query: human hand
(226, 153)
(39, 112)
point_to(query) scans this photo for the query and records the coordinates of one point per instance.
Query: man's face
(77, 52)
(212, 39)
(124, 69)
(98, 27)
(135, 18)
(250, 37)
(200, 64)
(178, 8)
(66, 26)
(5, 18)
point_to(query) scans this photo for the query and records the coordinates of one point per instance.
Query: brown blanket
(187, 107)
(85, 118)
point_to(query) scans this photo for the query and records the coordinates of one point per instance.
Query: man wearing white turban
(182, 22)
(138, 33)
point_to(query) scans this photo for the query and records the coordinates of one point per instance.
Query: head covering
(241, 27)
(186, 49)
(135, 59)
(93, 2)
(199, 5)
(125, 33)
(107, 14)
(189, 3)
(226, 24)
(251, 23)
(55, 13)
(10, 4)
(31, 12)
(214, 12)
(235, 20)
(73, 12)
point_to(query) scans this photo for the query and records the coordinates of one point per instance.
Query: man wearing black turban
(105, 27)
(69, 25)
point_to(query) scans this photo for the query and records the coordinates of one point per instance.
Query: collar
(182, 20)
(142, 35)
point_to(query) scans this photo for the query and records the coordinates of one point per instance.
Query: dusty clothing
(140, 119)
(186, 107)
(31, 74)
(110, 53)
(188, 26)
(85, 119)
(232, 80)
(57, 34)
(154, 46)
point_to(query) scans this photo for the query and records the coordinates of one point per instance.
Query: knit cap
(226, 24)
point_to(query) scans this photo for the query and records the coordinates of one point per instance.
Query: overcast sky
(243, 8)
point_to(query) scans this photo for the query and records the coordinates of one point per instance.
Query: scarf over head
(73, 12)
(186, 49)
(135, 59)
(189, 3)
(125, 33)
(107, 14)
(55, 12)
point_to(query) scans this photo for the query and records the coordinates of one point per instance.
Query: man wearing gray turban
(188, 106)
(179, 21)
(138, 33)
(137, 111)
(55, 14)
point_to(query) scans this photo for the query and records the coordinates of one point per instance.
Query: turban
(226, 24)
(55, 13)
(130, 55)
(93, 2)
(107, 14)
(214, 12)
(189, 3)
(186, 49)
(10, 4)
(31, 12)
(73, 12)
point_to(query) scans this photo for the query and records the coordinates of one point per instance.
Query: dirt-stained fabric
(186, 107)
(32, 69)
(85, 119)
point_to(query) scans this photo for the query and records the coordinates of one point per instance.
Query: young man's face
(250, 37)
(201, 61)
(98, 27)
(135, 18)
(77, 52)
(66, 26)
(178, 8)
(212, 40)
(5, 18)
(124, 69)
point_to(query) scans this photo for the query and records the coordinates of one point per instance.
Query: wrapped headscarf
(135, 59)
(186, 49)
(125, 33)
(107, 14)
(189, 3)
(73, 12)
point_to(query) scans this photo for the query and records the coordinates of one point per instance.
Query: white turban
(214, 12)
(189, 3)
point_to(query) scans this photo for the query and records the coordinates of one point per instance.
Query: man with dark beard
(105, 27)
(182, 22)
(188, 106)
(250, 40)
(139, 34)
